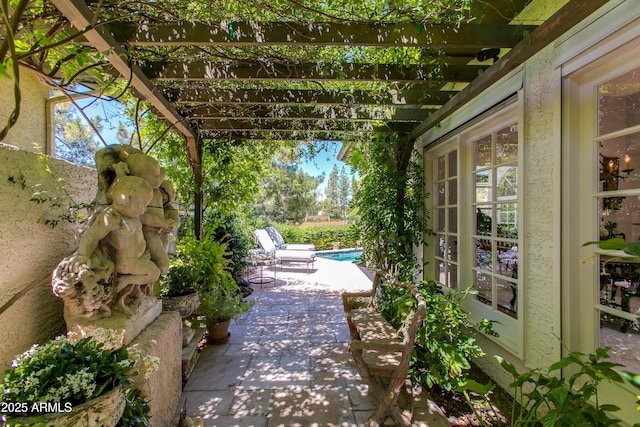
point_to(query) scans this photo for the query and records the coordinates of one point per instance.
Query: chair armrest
(352, 295)
(382, 345)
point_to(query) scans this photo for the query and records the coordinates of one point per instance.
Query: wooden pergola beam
(203, 70)
(300, 125)
(207, 95)
(287, 135)
(562, 21)
(81, 17)
(240, 34)
(307, 113)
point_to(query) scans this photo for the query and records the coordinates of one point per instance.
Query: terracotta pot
(218, 332)
(103, 411)
(184, 304)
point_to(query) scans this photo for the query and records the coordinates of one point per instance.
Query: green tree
(344, 193)
(289, 194)
(75, 141)
(331, 203)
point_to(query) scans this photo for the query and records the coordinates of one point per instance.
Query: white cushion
(264, 240)
(295, 255)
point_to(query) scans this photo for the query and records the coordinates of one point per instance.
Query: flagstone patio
(288, 363)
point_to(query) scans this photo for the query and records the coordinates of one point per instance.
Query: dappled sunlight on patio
(287, 363)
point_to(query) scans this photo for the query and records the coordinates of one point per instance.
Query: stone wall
(31, 248)
(31, 128)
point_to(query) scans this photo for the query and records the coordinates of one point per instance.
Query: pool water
(350, 255)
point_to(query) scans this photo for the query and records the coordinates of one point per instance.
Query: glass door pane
(618, 200)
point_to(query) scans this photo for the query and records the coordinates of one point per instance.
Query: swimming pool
(350, 255)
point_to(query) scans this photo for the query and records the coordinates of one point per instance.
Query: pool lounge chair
(278, 240)
(263, 240)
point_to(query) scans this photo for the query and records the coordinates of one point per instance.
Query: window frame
(580, 86)
(510, 330)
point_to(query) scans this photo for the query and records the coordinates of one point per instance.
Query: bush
(199, 264)
(571, 401)
(321, 236)
(444, 344)
(227, 230)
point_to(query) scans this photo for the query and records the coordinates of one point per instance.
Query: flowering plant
(67, 372)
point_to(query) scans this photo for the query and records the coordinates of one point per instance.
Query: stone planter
(184, 304)
(218, 332)
(103, 411)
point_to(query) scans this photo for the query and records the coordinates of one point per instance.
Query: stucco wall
(31, 126)
(30, 248)
(541, 182)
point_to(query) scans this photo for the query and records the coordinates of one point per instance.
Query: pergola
(177, 66)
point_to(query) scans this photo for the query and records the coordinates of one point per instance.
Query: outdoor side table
(261, 261)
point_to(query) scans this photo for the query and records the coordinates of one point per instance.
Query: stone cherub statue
(121, 253)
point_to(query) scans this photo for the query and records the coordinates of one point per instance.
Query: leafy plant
(390, 203)
(444, 344)
(136, 411)
(223, 302)
(566, 402)
(552, 400)
(227, 230)
(199, 264)
(631, 249)
(66, 372)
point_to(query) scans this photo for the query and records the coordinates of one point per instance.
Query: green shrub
(445, 343)
(227, 230)
(199, 264)
(323, 236)
(566, 401)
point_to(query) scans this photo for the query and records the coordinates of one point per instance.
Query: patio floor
(288, 363)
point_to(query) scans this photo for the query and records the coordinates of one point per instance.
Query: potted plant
(64, 382)
(196, 264)
(178, 292)
(219, 305)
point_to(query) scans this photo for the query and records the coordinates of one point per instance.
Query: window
(476, 218)
(603, 172)
(446, 218)
(496, 218)
(73, 139)
(617, 194)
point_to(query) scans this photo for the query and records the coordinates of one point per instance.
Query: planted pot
(102, 411)
(185, 304)
(218, 332)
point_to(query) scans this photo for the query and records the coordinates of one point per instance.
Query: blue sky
(324, 162)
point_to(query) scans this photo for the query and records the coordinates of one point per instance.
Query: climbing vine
(390, 203)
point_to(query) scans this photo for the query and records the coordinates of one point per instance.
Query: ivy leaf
(3, 70)
(633, 249)
(21, 46)
(617, 243)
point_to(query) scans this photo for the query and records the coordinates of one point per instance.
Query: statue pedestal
(162, 339)
(125, 327)
(155, 334)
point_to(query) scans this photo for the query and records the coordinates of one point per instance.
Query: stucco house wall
(31, 127)
(31, 248)
(541, 179)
